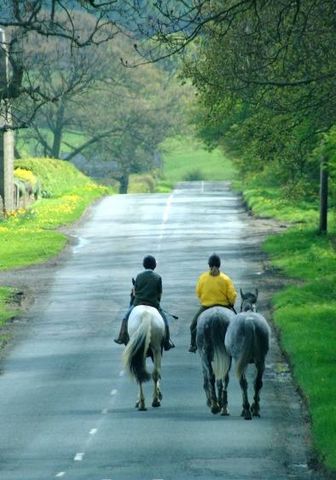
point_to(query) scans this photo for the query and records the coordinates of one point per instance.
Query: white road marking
(165, 219)
(60, 474)
(167, 208)
(114, 392)
(79, 456)
(93, 431)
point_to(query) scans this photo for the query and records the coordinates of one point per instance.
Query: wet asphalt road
(66, 407)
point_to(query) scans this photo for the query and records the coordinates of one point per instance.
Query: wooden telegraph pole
(323, 196)
(6, 133)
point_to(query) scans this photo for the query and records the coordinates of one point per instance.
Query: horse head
(249, 301)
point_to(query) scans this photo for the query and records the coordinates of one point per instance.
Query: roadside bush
(194, 175)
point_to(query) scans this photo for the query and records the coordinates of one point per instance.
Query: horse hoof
(224, 413)
(246, 414)
(215, 409)
(156, 403)
(142, 409)
(255, 411)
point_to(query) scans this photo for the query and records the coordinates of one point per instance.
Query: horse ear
(256, 294)
(133, 281)
(242, 294)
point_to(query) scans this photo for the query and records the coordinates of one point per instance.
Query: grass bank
(304, 312)
(30, 236)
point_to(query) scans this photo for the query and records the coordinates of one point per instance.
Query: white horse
(247, 341)
(146, 330)
(211, 329)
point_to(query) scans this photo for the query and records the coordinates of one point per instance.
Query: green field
(186, 159)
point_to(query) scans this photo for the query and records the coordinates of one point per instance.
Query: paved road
(66, 407)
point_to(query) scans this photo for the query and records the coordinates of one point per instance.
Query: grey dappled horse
(211, 329)
(146, 330)
(247, 341)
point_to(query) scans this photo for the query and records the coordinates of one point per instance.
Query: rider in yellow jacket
(213, 288)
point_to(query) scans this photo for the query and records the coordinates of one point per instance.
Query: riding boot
(193, 346)
(123, 337)
(167, 343)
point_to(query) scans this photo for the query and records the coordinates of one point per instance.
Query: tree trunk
(58, 132)
(6, 134)
(323, 196)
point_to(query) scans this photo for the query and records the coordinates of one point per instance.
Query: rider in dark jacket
(147, 291)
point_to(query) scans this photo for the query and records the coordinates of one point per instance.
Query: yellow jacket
(215, 290)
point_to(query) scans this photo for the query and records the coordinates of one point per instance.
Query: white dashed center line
(79, 456)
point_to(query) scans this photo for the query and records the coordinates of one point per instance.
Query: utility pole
(6, 133)
(323, 195)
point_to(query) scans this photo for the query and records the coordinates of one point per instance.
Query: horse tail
(221, 360)
(134, 355)
(248, 346)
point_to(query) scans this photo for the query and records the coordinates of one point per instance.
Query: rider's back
(148, 289)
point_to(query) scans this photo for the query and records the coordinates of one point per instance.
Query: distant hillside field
(188, 159)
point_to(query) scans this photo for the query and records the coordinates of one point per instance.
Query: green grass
(186, 159)
(305, 311)
(31, 236)
(268, 202)
(26, 146)
(7, 311)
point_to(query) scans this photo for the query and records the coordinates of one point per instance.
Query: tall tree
(119, 114)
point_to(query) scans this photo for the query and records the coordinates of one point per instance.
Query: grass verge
(7, 310)
(31, 236)
(304, 312)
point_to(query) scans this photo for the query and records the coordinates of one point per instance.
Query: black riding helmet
(214, 261)
(149, 262)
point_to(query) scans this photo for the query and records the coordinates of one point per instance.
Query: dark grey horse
(247, 341)
(211, 329)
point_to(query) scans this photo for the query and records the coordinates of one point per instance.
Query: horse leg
(224, 399)
(214, 405)
(141, 401)
(157, 396)
(219, 384)
(246, 413)
(255, 408)
(209, 382)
